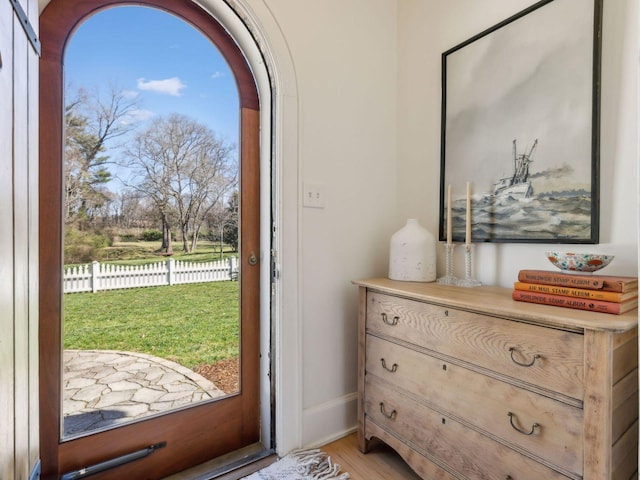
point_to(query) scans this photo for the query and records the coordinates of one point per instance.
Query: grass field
(189, 324)
(140, 252)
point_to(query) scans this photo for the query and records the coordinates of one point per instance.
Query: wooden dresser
(466, 383)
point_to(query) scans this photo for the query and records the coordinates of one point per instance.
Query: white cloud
(217, 75)
(170, 86)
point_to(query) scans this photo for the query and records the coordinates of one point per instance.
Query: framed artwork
(520, 122)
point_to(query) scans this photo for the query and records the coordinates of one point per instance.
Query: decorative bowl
(585, 263)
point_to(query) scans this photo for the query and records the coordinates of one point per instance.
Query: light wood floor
(380, 463)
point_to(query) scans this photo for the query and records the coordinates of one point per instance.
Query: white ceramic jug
(412, 255)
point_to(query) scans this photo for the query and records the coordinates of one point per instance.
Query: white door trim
(254, 27)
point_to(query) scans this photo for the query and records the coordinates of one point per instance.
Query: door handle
(253, 260)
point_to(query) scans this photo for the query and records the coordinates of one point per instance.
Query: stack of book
(597, 293)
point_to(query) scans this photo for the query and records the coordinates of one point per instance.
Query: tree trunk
(194, 240)
(221, 239)
(167, 246)
(185, 237)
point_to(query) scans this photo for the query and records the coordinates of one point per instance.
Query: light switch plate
(313, 195)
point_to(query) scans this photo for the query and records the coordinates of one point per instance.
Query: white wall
(428, 28)
(344, 55)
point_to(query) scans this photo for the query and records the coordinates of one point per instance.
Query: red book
(607, 283)
(617, 297)
(576, 303)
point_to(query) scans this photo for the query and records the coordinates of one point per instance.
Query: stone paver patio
(103, 388)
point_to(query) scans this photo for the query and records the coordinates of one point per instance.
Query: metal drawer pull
(391, 415)
(518, 429)
(392, 322)
(393, 368)
(530, 364)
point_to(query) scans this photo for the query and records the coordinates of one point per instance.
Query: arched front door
(191, 435)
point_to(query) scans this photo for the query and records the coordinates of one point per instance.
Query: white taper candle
(468, 229)
(449, 219)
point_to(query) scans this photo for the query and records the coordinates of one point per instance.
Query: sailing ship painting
(517, 185)
(527, 205)
(520, 123)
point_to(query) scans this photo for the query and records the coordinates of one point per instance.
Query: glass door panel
(151, 297)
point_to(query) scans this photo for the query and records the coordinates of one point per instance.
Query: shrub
(100, 241)
(151, 235)
(83, 247)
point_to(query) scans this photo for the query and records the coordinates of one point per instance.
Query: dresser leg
(363, 443)
(598, 405)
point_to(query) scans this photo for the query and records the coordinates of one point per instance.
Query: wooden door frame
(58, 21)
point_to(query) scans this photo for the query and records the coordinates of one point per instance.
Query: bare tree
(91, 121)
(218, 219)
(211, 182)
(152, 179)
(134, 210)
(185, 168)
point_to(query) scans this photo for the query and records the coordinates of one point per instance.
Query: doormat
(301, 465)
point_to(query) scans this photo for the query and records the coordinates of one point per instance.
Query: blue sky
(168, 65)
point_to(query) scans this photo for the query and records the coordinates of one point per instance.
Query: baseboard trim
(329, 421)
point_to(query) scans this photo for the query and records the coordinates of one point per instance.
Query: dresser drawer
(462, 449)
(483, 402)
(545, 357)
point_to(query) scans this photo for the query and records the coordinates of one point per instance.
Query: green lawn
(188, 324)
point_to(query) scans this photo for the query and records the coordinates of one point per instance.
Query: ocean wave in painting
(549, 216)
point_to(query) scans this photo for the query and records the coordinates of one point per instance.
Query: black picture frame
(521, 123)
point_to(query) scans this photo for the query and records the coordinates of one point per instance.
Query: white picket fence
(99, 276)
